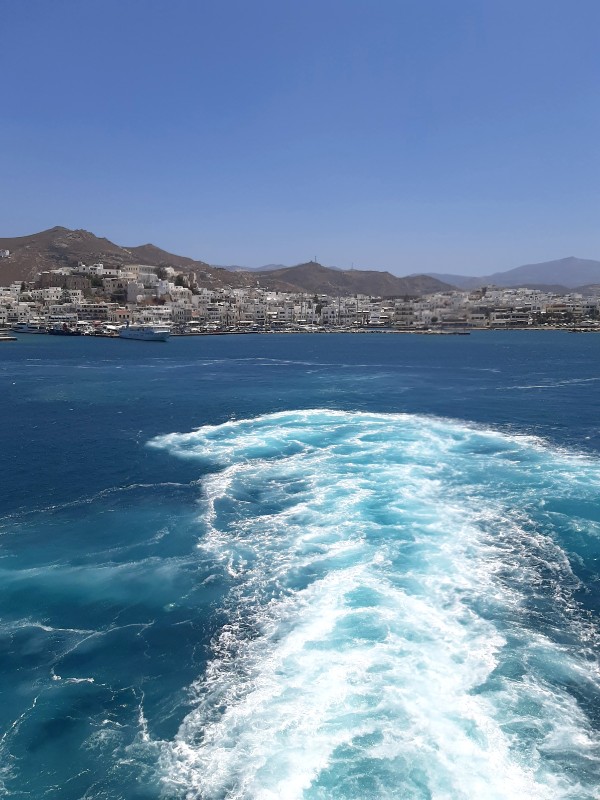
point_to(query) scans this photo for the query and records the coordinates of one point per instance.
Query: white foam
(378, 636)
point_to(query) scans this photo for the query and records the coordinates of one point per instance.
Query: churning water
(366, 572)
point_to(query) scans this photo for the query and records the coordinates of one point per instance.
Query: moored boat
(145, 333)
(62, 329)
(30, 327)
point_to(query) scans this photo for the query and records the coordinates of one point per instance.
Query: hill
(566, 273)
(56, 247)
(460, 281)
(153, 256)
(314, 278)
(62, 247)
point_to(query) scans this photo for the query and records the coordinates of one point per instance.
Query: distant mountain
(265, 268)
(155, 257)
(590, 288)
(314, 278)
(237, 268)
(459, 281)
(568, 272)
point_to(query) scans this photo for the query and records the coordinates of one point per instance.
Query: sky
(453, 136)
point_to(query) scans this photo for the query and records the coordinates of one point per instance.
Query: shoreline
(330, 331)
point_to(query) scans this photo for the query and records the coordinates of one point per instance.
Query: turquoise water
(301, 567)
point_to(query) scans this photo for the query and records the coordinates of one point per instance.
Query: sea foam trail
(403, 619)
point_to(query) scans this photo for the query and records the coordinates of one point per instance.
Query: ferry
(145, 333)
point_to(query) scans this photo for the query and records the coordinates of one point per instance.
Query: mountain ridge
(570, 272)
(62, 247)
(326, 280)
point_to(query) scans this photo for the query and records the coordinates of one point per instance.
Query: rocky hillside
(315, 278)
(57, 247)
(61, 247)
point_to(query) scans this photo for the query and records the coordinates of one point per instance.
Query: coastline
(337, 330)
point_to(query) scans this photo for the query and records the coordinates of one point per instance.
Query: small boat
(63, 330)
(145, 333)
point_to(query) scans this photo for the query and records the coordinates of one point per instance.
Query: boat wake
(409, 613)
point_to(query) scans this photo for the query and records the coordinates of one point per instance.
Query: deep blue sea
(286, 567)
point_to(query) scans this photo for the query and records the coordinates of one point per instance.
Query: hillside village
(99, 298)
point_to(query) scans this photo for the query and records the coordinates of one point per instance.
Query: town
(101, 300)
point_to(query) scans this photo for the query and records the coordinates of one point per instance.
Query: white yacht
(30, 327)
(146, 333)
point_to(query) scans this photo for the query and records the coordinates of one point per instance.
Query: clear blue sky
(411, 135)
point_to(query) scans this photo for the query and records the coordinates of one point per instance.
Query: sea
(300, 567)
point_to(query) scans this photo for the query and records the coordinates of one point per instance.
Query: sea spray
(406, 615)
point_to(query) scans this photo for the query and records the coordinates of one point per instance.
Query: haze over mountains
(569, 273)
(60, 247)
(559, 275)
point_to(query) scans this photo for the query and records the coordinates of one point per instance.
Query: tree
(161, 273)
